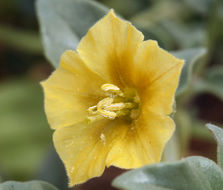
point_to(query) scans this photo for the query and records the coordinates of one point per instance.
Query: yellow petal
(70, 91)
(159, 96)
(108, 48)
(156, 76)
(143, 143)
(84, 148)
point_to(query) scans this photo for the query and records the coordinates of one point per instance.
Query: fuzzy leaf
(218, 133)
(190, 56)
(192, 173)
(31, 185)
(64, 23)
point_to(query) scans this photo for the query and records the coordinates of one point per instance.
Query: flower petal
(108, 48)
(70, 91)
(84, 148)
(143, 143)
(156, 77)
(159, 96)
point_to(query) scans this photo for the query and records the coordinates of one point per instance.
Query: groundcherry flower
(110, 100)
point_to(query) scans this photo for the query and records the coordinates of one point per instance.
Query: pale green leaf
(31, 185)
(192, 173)
(190, 56)
(64, 23)
(218, 133)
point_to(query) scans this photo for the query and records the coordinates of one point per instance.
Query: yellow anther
(92, 110)
(116, 105)
(105, 102)
(102, 105)
(107, 114)
(111, 89)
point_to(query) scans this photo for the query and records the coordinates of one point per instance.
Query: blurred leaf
(64, 23)
(192, 173)
(133, 6)
(212, 82)
(218, 133)
(156, 32)
(190, 56)
(183, 130)
(172, 34)
(184, 36)
(25, 134)
(31, 185)
(172, 151)
(198, 131)
(23, 40)
(214, 30)
(160, 11)
(201, 6)
(52, 170)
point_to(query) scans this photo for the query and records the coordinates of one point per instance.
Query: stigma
(116, 104)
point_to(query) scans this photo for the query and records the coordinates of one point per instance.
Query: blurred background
(26, 150)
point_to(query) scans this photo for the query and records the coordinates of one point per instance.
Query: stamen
(111, 89)
(105, 102)
(107, 114)
(115, 106)
(92, 110)
(106, 108)
(102, 105)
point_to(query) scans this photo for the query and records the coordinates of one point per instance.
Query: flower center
(117, 104)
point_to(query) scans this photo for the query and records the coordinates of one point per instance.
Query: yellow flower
(109, 102)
